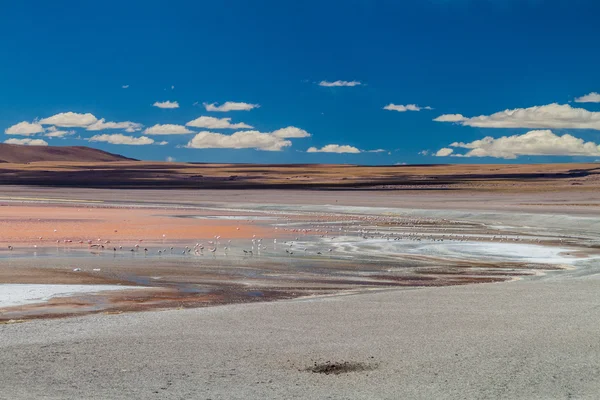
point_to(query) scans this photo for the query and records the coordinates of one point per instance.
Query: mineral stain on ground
(340, 367)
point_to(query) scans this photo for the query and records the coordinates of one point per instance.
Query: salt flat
(19, 294)
(519, 340)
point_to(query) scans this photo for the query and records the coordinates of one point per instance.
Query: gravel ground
(519, 340)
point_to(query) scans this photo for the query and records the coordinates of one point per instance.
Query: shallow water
(328, 250)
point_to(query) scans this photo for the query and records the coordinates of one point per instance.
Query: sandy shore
(522, 340)
(570, 201)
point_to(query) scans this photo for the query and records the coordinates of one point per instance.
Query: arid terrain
(72, 172)
(18, 154)
(382, 276)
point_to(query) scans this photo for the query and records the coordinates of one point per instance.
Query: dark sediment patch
(340, 367)
(155, 298)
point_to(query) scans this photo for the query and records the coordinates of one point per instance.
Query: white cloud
(532, 143)
(593, 97)
(52, 132)
(166, 104)
(101, 124)
(118, 138)
(445, 152)
(408, 107)
(269, 141)
(164, 142)
(377, 151)
(230, 106)
(339, 83)
(217, 123)
(125, 86)
(450, 118)
(549, 116)
(167, 129)
(70, 120)
(291, 132)
(334, 148)
(27, 142)
(238, 140)
(170, 159)
(424, 152)
(24, 129)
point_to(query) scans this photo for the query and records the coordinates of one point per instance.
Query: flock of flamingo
(359, 226)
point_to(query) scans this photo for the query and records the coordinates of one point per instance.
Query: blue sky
(307, 75)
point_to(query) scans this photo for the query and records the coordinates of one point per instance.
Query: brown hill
(13, 153)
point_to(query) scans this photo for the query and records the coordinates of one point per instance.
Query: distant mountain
(13, 153)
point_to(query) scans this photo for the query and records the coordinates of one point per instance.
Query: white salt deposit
(19, 294)
(509, 252)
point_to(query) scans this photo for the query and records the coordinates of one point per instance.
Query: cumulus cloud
(532, 143)
(125, 86)
(170, 159)
(549, 116)
(444, 152)
(238, 140)
(128, 126)
(53, 132)
(25, 129)
(291, 132)
(450, 118)
(230, 106)
(424, 152)
(70, 120)
(27, 142)
(593, 97)
(334, 148)
(408, 107)
(339, 83)
(119, 138)
(167, 129)
(164, 142)
(217, 123)
(166, 104)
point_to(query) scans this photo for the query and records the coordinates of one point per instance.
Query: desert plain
(220, 282)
